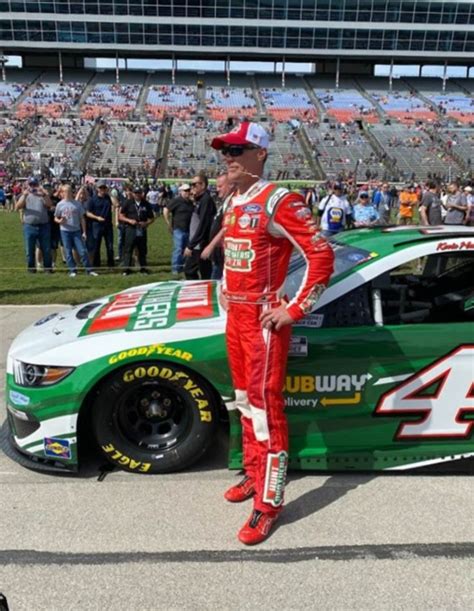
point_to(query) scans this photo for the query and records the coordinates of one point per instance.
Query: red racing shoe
(257, 528)
(241, 491)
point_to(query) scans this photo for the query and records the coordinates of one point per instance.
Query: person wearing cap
(364, 213)
(136, 214)
(263, 223)
(99, 213)
(69, 216)
(334, 211)
(34, 204)
(204, 210)
(177, 214)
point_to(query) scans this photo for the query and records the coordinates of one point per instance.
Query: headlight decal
(34, 376)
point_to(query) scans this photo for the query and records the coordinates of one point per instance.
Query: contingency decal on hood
(159, 307)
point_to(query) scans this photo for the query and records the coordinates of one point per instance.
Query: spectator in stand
(34, 204)
(196, 268)
(3, 198)
(456, 205)
(214, 250)
(70, 217)
(431, 206)
(99, 213)
(470, 206)
(364, 213)
(334, 211)
(136, 215)
(177, 214)
(407, 201)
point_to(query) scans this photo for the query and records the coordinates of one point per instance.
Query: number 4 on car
(380, 374)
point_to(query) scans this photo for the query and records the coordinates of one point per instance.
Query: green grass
(17, 286)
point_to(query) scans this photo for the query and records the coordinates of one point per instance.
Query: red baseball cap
(245, 133)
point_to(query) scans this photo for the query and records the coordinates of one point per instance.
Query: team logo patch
(17, 398)
(252, 208)
(303, 214)
(238, 255)
(275, 477)
(244, 221)
(57, 448)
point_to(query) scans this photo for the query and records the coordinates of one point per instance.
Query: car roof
(385, 240)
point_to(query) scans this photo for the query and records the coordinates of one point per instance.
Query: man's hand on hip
(276, 319)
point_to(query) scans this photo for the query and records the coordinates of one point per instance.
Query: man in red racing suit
(262, 225)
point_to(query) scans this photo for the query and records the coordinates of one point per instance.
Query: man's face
(186, 193)
(384, 188)
(243, 162)
(223, 186)
(198, 186)
(452, 188)
(137, 196)
(102, 191)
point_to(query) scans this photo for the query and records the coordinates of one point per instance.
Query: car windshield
(346, 257)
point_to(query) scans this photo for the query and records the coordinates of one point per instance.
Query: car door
(382, 376)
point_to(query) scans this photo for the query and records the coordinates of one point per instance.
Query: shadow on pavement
(313, 501)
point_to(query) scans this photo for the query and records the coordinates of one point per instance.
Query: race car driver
(263, 224)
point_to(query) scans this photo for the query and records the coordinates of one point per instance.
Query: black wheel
(153, 418)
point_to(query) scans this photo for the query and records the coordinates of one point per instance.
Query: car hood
(163, 312)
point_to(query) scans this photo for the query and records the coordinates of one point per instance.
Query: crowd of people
(79, 221)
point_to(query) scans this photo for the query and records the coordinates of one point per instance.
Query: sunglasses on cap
(236, 150)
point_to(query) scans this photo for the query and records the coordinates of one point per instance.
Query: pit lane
(360, 541)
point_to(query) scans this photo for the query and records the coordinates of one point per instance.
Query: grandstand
(338, 120)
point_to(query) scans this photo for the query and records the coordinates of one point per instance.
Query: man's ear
(262, 154)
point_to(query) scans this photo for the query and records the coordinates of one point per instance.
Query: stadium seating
(344, 151)
(50, 100)
(9, 92)
(457, 106)
(8, 131)
(176, 101)
(347, 105)
(286, 158)
(230, 102)
(190, 151)
(461, 142)
(54, 146)
(405, 107)
(125, 149)
(415, 155)
(285, 104)
(117, 101)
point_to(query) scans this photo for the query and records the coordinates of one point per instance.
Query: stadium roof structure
(370, 31)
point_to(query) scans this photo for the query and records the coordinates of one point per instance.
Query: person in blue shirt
(364, 213)
(99, 213)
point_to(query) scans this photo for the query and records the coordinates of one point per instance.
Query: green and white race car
(380, 374)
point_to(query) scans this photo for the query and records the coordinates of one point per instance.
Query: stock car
(380, 373)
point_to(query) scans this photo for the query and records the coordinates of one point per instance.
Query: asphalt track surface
(131, 542)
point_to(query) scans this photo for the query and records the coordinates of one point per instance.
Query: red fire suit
(262, 227)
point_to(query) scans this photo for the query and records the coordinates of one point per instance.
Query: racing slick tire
(153, 417)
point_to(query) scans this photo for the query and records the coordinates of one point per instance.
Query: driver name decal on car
(464, 245)
(441, 395)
